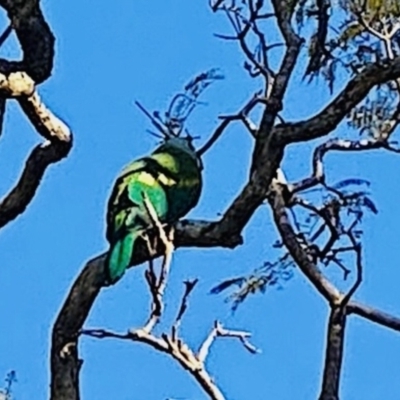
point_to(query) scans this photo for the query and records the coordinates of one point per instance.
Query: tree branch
(226, 120)
(268, 152)
(334, 354)
(35, 38)
(374, 315)
(170, 344)
(18, 80)
(57, 146)
(189, 286)
(21, 195)
(65, 363)
(330, 117)
(303, 259)
(318, 173)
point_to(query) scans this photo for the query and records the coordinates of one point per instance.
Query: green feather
(170, 178)
(119, 256)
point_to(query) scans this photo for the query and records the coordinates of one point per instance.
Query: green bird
(171, 180)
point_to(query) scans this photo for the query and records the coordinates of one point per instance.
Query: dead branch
(174, 348)
(189, 286)
(177, 349)
(220, 331)
(157, 286)
(172, 344)
(18, 80)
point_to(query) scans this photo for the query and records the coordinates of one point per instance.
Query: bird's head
(184, 144)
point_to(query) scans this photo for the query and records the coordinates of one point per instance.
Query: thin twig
(241, 335)
(318, 174)
(157, 286)
(226, 120)
(189, 286)
(153, 120)
(359, 276)
(219, 331)
(4, 36)
(299, 253)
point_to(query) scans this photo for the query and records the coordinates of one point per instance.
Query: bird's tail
(119, 256)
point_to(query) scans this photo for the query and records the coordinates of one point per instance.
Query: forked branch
(171, 344)
(17, 81)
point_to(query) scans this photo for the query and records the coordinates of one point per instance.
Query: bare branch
(329, 214)
(220, 331)
(268, 151)
(4, 36)
(359, 268)
(189, 286)
(374, 315)
(157, 286)
(242, 336)
(205, 346)
(175, 348)
(153, 120)
(35, 38)
(226, 120)
(56, 147)
(216, 135)
(139, 335)
(304, 260)
(18, 80)
(190, 362)
(21, 195)
(215, 4)
(329, 118)
(318, 174)
(169, 344)
(334, 354)
(64, 349)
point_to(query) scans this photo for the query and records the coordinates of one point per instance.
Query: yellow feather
(146, 178)
(166, 181)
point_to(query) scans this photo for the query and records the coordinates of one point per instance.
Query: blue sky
(107, 57)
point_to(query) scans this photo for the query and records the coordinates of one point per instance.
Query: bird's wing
(119, 203)
(126, 205)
